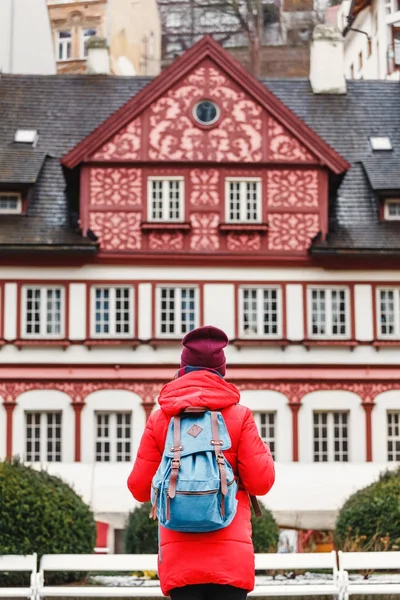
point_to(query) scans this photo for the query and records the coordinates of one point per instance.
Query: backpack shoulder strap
(176, 461)
(255, 505)
(217, 443)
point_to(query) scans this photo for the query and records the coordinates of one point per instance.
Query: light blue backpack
(194, 489)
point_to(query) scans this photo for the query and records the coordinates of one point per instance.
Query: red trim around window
(2, 313)
(156, 340)
(23, 340)
(111, 340)
(260, 341)
(330, 341)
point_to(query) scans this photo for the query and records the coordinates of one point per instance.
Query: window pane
(270, 312)
(320, 437)
(338, 307)
(251, 201)
(174, 200)
(32, 311)
(250, 312)
(123, 311)
(157, 200)
(267, 429)
(166, 199)
(102, 311)
(123, 437)
(388, 319)
(394, 209)
(167, 316)
(188, 314)
(340, 437)
(393, 436)
(9, 202)
(53, 311)
(103, 453)
(318, 312)
(234, 201)
(32, 427)
(87, 34)
(53, 441)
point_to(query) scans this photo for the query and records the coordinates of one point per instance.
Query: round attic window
(206, 112)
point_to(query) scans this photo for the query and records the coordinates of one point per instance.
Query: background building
(18, 52)
(132, 30)
(133, 210)
(372, 38)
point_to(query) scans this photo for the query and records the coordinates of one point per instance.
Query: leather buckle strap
(176, 461)
(217, 443)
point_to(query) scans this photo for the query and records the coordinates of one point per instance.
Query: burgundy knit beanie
(204, 347)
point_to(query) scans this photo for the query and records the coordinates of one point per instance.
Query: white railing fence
(336, 581)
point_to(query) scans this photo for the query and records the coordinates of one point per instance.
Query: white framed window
(165, 199)
(388, 317)
(10, 203)
(86, 34)
(266, 424)
(177, 310)
(331, 436)
(64, 45)
(43, 436)
(112, 311)
(393, 435)
(392, 209)
(260, 312)
(43, 312)
(113, 439)
(243, 200)
(329, 312)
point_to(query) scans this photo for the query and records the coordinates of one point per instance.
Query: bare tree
(250, 15)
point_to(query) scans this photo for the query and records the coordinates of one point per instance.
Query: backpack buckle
(217, 443)
(220, 459)
(177, 463)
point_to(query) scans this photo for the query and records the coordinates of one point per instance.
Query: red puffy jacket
(225, 556)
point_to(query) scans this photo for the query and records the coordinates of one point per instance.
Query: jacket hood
(200, 388)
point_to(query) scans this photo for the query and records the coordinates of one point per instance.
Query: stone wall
(278, 61)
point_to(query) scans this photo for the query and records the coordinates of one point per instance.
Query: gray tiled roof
(20, 165)
(64, 109)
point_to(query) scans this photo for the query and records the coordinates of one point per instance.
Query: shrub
(142, 533)
(40, 513)
(370, 519)
(265, 531)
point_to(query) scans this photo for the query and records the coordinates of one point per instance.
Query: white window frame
(165, 200)
(243, 181)
(11, 211)
(394, 439)
(387, 215)
(112, 312)
(178, 333)
(85, 38)
(63, 43)
(270, 440)
(112, 437)
(331, 436)
(329, 320)
(43, 312)
(43, 439)
(396, 302)
(260, 312)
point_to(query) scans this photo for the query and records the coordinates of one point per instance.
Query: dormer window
(243, 200)
(165, 199)
(392, 209)
(10, 203)
(26, 136)
(380, 143)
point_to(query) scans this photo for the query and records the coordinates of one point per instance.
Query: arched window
(43, 427)
(273, 417)
(386, 428)
(112, 425)
(332, 428)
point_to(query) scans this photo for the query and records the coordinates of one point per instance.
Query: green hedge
(40, 513)
(142, 533)
(370, 519)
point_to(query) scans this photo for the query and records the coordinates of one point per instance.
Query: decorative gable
(243, 132)
(159, 179)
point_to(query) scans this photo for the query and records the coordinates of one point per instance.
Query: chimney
(327, 61)
(98, 59)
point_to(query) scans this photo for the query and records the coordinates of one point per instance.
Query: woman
(217, 565)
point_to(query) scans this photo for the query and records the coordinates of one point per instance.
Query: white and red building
(133, 210)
